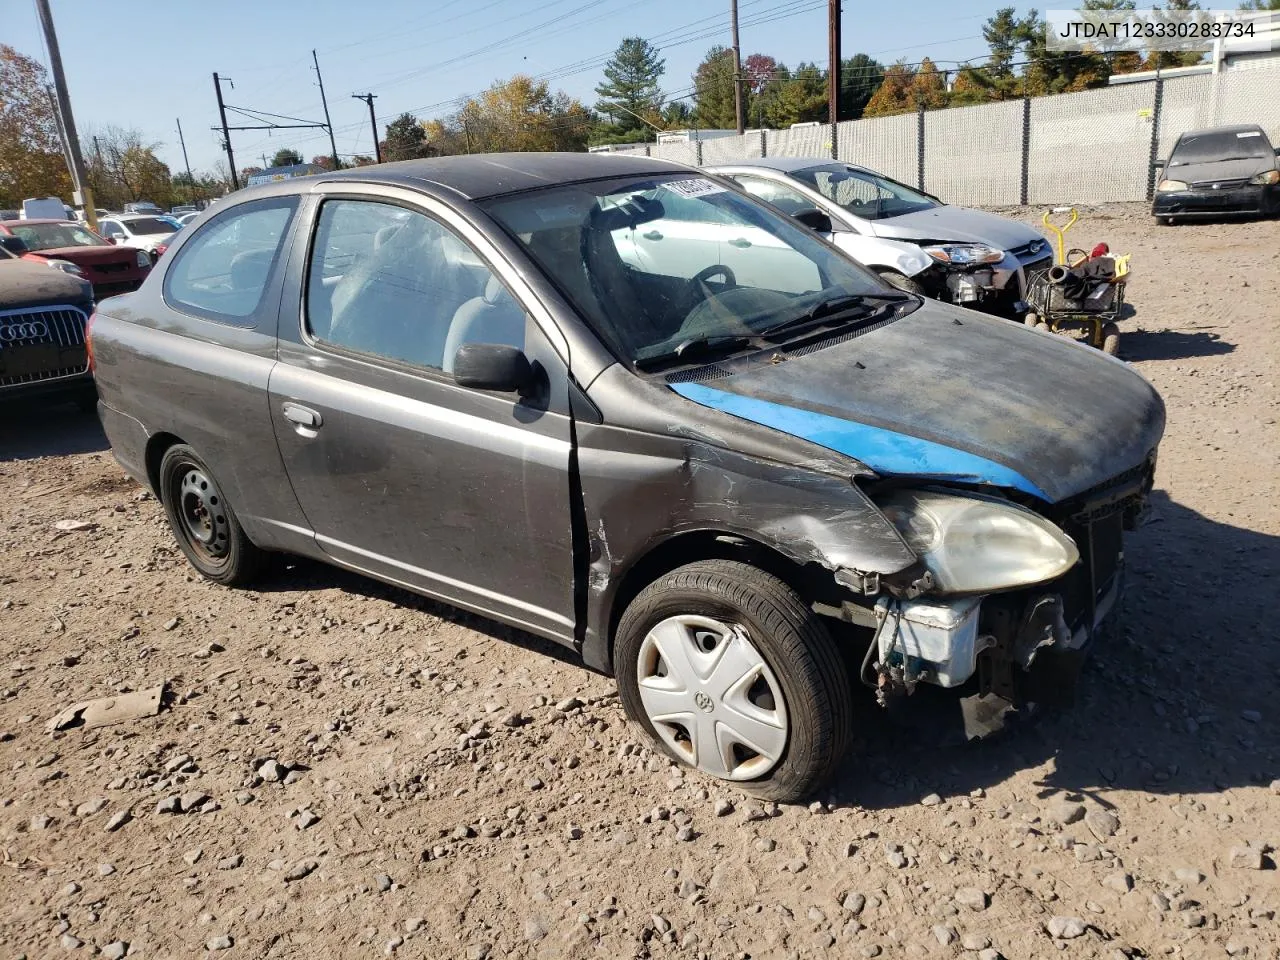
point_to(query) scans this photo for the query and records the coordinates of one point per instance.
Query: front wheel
(203, 522)
(895, 279)
(730, 673)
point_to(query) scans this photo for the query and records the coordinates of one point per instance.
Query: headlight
(144, 259)
(1266, 178)
(66, 266)
(978, 544)
(964, 254)
(1168, 186)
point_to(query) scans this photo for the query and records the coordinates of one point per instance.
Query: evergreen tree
(795, 96)
(713, 91)
(631, 88)
(860, 77)
(285, 157)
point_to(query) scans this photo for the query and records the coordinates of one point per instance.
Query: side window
(849, 190)
(222, 271)
(784, 198)
(109, 229)
(393, 282)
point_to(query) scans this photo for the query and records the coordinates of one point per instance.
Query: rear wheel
(730, 673)
(1166, 221)
(895, 279)
(203, 522)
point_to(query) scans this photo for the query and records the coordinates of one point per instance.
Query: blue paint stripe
(884, 451)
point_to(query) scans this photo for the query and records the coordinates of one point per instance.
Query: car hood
(957, 224)
(89, 255)
(27, 284)
(1240, 169)
(949, 394)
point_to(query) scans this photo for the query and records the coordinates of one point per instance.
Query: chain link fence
(1090, 147)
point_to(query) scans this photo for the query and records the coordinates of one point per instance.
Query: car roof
(1235, 128)
(478, 176)
(784, 164)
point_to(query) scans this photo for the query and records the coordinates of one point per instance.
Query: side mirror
(15, 245)
(814, 219)
(1157, 165)
(492, 366)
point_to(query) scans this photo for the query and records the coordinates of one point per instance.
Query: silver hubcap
(711, 697)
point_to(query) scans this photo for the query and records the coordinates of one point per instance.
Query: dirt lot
(368, 772)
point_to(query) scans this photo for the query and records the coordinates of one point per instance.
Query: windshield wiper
(832, 310)
(699, 347)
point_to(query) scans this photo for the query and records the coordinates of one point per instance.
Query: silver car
(743, 477)
(911, 238)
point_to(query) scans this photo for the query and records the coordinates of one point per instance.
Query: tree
(1164, 59)
(893, 96)
(323, 160)
(676, 114)
(758, 69)
(631, 93)
(286, 157)
(406, 139)
(860, 77)
(713, 91)
(1005, 34)
(795, 96)
(928, 88)
(1260, 5)
(122, 168)
(31, 159)
(519, 114)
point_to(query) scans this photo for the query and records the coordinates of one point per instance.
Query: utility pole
(185, 162)
(325, 103)
(739, 108)
(368, 98)
(833, 70)
(84, 194)
(62, 131)
(226, 134)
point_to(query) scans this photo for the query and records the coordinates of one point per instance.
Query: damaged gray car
(727, 465)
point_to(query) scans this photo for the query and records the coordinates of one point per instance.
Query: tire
(740, 610)
(203, 522)
(895, 279)
(87, 401)
(1111, 340)
(1166, 221)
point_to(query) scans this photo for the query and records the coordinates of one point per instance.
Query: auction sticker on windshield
(698, 187)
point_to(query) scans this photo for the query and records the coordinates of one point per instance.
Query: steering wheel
(699, 279)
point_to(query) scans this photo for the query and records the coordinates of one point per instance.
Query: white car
(146, 232)
(913, 240)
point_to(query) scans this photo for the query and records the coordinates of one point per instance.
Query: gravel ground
(348, 770)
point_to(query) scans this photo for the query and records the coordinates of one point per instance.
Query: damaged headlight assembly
(964, 254)
(974, 544)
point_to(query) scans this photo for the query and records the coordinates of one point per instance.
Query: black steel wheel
(203, 522)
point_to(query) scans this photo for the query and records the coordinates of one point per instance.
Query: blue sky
(142, 64)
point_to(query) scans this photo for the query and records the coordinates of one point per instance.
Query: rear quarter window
(223, 271)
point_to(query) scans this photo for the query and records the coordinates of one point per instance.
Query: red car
(110, 269)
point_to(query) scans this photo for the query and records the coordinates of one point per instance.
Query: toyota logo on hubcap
(704, 702)
(36, 330)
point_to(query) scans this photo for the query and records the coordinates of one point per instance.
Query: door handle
(301, 416)
(740, 242)
(652, 235)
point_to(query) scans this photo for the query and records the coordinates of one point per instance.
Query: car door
(457, 492)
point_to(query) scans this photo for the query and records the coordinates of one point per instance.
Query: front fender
(879, 253)
(641, 490)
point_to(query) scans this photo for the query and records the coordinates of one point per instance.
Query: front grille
(110, 267)
(1222, 184)
(41, 343)
(1033, 249)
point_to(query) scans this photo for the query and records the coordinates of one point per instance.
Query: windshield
(864, 194)
(659, 263)
(1218, 146)
(145, 226)
(48, 236)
